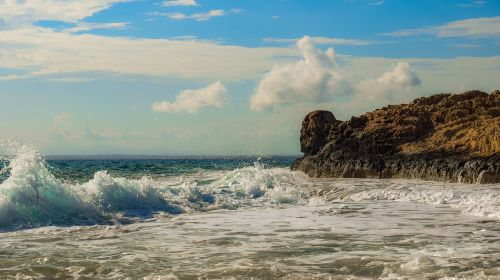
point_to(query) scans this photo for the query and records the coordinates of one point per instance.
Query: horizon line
(166, 156)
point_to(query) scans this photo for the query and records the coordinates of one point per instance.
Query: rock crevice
(444, 137)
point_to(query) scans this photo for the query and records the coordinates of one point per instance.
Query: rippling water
(235, 218)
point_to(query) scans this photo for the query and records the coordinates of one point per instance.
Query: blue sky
(226, 77)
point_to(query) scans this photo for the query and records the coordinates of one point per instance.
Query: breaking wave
(32, 196)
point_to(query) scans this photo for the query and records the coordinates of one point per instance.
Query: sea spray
(109, 194)
(32, 196)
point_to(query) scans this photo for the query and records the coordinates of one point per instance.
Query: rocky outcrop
(445, 137)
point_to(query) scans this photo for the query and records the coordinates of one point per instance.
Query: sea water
(235, 218)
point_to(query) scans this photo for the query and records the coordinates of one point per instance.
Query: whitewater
(235, 218)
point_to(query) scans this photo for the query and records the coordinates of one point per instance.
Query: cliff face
(446, 137)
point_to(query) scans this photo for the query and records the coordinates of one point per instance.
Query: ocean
(124, 217)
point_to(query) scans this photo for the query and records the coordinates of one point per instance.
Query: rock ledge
(444, 137)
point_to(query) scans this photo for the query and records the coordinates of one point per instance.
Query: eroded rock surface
(446, 137)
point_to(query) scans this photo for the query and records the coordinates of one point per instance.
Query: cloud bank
(42, 51)
(192, 100)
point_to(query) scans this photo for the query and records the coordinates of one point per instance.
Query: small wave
(477, 200)
(32, 196)
(482, 203)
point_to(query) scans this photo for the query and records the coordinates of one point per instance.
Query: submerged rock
(445, 137)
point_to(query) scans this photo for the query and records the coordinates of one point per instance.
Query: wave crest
(32, 196)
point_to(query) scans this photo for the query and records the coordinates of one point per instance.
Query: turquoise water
(79, 170)
(235, 218)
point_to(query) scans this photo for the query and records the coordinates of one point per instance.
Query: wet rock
(446, 137)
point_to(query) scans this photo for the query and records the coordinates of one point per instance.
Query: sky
(226, 77)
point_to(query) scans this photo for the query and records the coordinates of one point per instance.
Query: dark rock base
(457, 170)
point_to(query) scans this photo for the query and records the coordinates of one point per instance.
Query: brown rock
(314, 132)
(452, 137)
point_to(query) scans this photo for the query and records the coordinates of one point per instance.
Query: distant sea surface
(143, 217)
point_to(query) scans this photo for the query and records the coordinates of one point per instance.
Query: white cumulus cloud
(392, 86)
(192, 100)
(400, 76)
(312, 79)
(317, 78)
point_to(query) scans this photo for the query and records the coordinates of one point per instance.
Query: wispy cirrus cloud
(321, 41)
(474, 27)
(472, 4)
(192, 100)
(16, 13)
(466, 46)
(12, 77)
(170, 3)
(21, 15)
(376, 3)
(200, 16)
(86, 26)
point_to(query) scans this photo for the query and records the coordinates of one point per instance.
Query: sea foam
(478, 200)
(32, 196)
